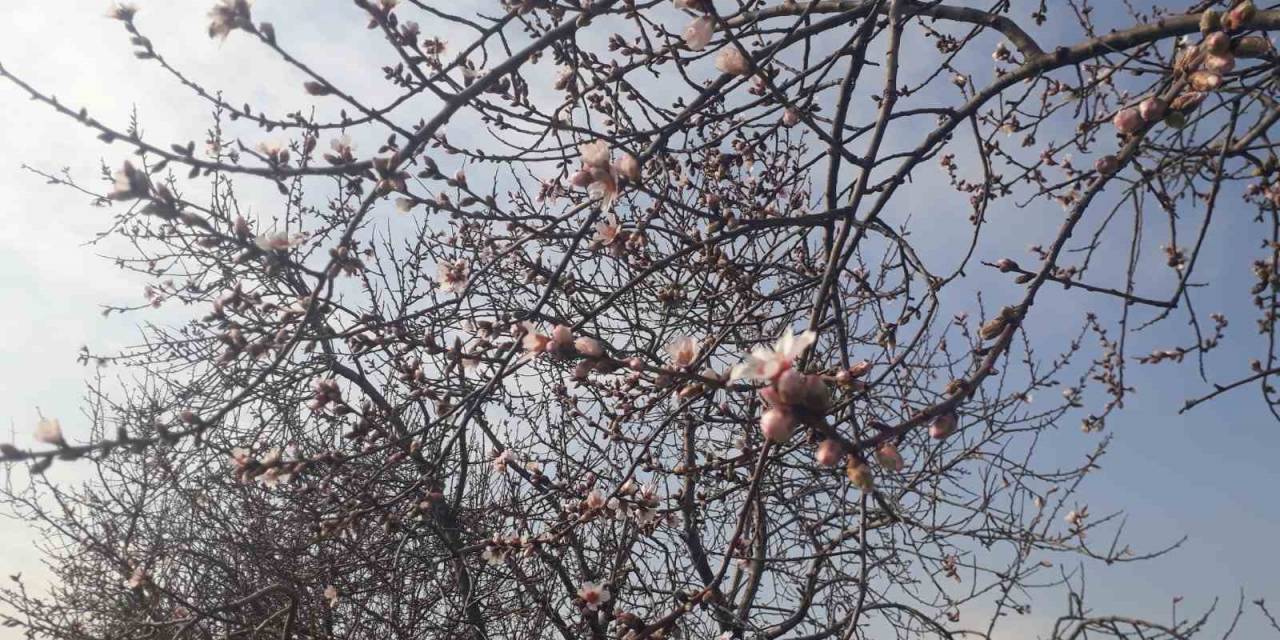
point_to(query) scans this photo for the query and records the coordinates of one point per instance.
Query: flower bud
(792, 387)
(943, 425)
(790, 117)
(1251, 47)
(829, 453)
(1106, 165)
(1152, 109)
(889, 458)
(1187, 102)
(629, 167)
(1127, 121)
(581, 179)
(1217, 43)
(1204, 80)
(561, 338)
(1210, 21)
(777, 424)
(1239, 15)
(860, 475)
(1220, 63)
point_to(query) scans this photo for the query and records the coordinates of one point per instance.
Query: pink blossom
(594, 595)
(452, 276)
(790, 117)
(331, 596)
(683, 351)
(766, 364)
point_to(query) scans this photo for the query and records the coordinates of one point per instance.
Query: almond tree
(627, 334)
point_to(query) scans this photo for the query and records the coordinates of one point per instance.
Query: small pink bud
(889, 458)
(1217, 42)
(792, 387)
(1127, 121)
(777, 424)
(1106, 165)
(790, 117)
(860, 475)
(943, 425)
(1152, 109)
(829, 453)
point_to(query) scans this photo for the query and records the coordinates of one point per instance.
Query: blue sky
(1209, 474)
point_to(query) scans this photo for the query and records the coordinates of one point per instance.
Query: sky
(1208, 475)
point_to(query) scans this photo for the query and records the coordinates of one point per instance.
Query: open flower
(766, 365)
(331, 596)
(594, 595)
(683, 351)
(452, 276)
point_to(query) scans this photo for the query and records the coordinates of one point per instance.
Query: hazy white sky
(1209, 475)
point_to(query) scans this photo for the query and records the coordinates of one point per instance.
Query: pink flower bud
(1106, 165)
(1217, 42)
(1152, 109)
(860, 475)
(829, 453)
(1204, 80)
(792, 387)
(581, 179)
(732, 61)
(790, 117)
(698, 34)
(1127, 121)
(777, 424)
(1220, 63)
(943, 425)
(889, 458)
